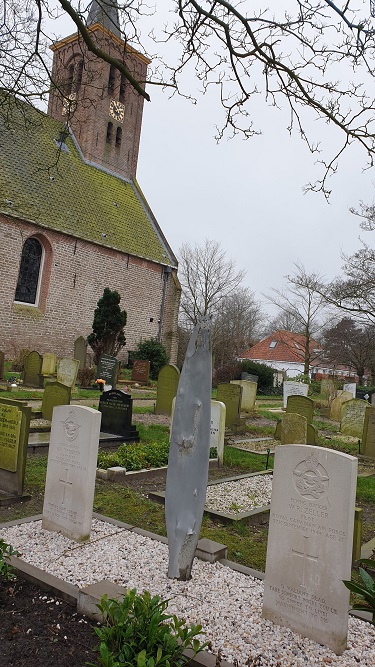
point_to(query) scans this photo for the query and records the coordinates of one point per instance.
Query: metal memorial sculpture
(189, 453)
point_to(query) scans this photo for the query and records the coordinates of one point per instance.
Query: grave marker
(337, 405)
(67, 370)
(302, 405)
(291, 388)
(327, 388)
(54, 394)
(48, 363)
(368, 438)
(32, 373)
(353, 417)
(80, 351)
(310, 543)
(107, 369)
(249, 393)
(293, 429)
(71, 471)
(141, 371)
(351, 388)
(230, 395)
(218, 428)
(14, 434)
(116, 407)
(168, 379)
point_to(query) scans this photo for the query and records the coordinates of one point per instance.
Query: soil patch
(39, 629)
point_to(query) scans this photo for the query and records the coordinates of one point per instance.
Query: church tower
(94, 98)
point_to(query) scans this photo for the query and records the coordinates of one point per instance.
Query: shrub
(265, 373)
(19, 356)
(226, 373)
(136, 631)
(153, 351)
(6, 570)
(366, 590)
(85, 376)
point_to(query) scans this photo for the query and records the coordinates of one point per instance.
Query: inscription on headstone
(291, 388)
(310, 541)
(141, 371)
(116, 407)
(353, 417)
(14, 433)
(107, 369)
(166, 389)
(71, 471)
(230, 395)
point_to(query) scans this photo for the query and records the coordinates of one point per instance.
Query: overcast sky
(248, 195)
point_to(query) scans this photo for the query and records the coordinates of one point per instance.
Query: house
(285, 352)
(73, 219)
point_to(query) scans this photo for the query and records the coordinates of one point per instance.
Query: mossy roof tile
(60, 191)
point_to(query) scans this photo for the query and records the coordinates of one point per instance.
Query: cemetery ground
(44, 630)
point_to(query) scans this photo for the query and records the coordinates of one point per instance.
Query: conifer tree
(107, 335)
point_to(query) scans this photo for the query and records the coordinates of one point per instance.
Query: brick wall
(75, 274)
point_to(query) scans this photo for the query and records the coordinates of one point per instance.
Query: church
(73, 219)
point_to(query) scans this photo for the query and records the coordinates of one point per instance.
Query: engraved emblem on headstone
(310, 477)
(305, 557)
(71, 427)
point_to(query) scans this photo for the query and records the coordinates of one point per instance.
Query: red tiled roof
(282, 346)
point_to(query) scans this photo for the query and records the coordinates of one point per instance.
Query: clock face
(117, 110)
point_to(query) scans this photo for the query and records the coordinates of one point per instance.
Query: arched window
(118, 137)
(122, 88)
(79, 74)
(109, 133)
(70, 79)
(111, 78)
(30, 271)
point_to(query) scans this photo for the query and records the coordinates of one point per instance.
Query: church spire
(105, 12)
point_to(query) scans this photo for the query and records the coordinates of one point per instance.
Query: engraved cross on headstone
(65, 482)
(305, 556)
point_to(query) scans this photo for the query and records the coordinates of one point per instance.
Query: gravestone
(14, 434)
(141, 371)
(302, 405)
(48, 363)
(218, 428)
(33, 368)
(368, 438)
(71, 471)
(67, 370)
(188, 461)
(327, 388)
(230, 395)
(166, 390)
(291, 388)
(311, 432)
(293, 429)
(310, 542)
(116, 407)
(54, 394)
(249, 393)
(107, 369)
(250, 377)
(80, 351)
(337, 405)
(353, 417)
(2, 359)
(351, 388)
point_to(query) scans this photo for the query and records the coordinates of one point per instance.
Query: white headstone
(310, 543)
(71, 471)
(249, 393)
(291, 388)
(218, 428)
(351, 387)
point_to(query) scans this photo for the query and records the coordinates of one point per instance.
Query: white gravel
(241, 495)
(225, 602)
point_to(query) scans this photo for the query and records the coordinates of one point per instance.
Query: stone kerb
(71, 471)
(310, 543)
(353, 417)
(249, 393)
(291, 388)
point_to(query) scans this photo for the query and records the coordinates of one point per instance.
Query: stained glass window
(28, 276)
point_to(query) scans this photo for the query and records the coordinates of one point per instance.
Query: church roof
(57, 189)
(105, 12)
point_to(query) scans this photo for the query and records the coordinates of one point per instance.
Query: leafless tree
(311, 58)
(303, 301)
(350, 344)
(207, 277)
